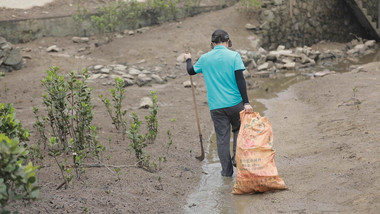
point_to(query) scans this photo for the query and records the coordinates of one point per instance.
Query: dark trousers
(224, 119)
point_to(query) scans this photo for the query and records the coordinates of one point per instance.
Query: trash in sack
(256, 170)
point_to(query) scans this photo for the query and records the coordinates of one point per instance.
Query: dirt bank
(326, 152)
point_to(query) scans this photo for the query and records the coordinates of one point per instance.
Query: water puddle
(23, 4)
(213, 196)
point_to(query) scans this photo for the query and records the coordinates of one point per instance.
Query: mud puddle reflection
(213, 196)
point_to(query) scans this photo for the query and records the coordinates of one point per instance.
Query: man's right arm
(189, 67)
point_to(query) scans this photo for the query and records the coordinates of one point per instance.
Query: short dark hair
(219, 36)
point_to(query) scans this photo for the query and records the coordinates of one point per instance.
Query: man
(226, 93)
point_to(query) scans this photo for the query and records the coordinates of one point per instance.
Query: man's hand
(187, 56)
(248, 108)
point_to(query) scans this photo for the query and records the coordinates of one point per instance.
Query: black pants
(224, 119)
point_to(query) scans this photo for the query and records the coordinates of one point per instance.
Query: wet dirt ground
(327, 149)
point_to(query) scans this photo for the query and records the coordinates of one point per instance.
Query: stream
(213, 195)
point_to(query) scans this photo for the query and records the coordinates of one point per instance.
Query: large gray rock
(143, 79)
(157, 79)
(146, 102)
(14, 58)
(134, 71)
(53, 48)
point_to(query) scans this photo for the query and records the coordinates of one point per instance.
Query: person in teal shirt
(222, 70)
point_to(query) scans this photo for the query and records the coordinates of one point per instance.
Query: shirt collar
(220, 47)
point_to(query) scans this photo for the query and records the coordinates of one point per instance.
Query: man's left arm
(242, 86)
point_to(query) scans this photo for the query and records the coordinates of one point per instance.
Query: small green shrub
(117, 113)
(137, 140)
(9, 125)
(152, 120)
(17, 180)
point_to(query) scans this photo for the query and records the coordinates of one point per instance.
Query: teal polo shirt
(218, 68)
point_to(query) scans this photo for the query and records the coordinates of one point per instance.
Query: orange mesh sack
(256, 170)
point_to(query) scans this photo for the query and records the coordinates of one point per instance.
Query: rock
(98, 67)
(142, 30)
(305, 59)
(370, 43)
(2, 40)
(277, 2)
(134, 71)
(298, 50)
(181, 58)
(14, 58)
(97, 76)
(290, 75)
(119, 36)
(279, 65)
(290, 65)
(264, 66)
(143, 79)
(128, 82)
(80, 39)
(280, 48)
(6, 46)
(360, 48)
(146, 102)
(262, 60)
(53, 48)
(187, 84)
(323, 73)
(127, 76)
(146, 72)
(119, 67)
(249, 26)
(105, 71)
(262, 74)
(262, 51)
(157, 79)
(271, 57)
(246, 73)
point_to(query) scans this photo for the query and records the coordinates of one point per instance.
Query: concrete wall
(306, 22)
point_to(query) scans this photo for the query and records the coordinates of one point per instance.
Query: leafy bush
(116, 113)
(9, 125)
(114, 16)
(120, 15)
(68, 121)
(17, 181)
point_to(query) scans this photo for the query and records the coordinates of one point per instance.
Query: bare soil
(326, 150)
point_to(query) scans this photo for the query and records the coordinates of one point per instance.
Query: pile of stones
(263, 63)
(10, 56)
(132, 75)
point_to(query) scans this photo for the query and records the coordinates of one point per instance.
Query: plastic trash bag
(256, 170)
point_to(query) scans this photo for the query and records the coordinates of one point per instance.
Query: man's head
(220, 36)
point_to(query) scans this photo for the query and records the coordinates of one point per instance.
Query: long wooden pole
(202, 156)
